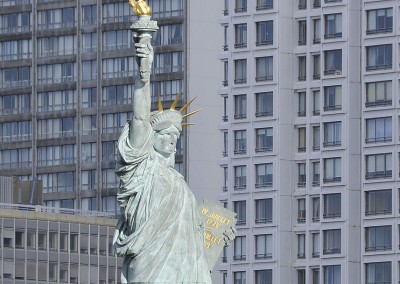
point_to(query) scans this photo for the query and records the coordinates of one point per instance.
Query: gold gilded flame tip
(140, 7)
(191, 113)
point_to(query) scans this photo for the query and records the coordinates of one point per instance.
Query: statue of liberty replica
(160, 232)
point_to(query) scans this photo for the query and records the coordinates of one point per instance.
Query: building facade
(310, 131)
(47, 245)
(67, 77)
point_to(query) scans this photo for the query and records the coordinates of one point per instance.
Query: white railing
(54, 210)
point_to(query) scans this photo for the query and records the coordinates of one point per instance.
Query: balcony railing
(263, 256)
(263, 220)
(378, 67)
(240, 151)
(371, 212)
(240, 116)
(332, 215)
(264, 78)
(241, 81)
(332, 144)
(333, 35)
(332, 72)
(378, 103)
(316, 40)
(264, 42)
(378, 248)
(239, 257)
(317, 3)
(315, 254)
(378, 139)
(332, 107)
(332, 251)
(264, 149)
(264, 113)
(240, 45)
(224, 188)
(379, 174)
(380, 31)
(332, 179)
(239, 187)
(240, 9)
(241, 222)
(301, 255)
(315, 219)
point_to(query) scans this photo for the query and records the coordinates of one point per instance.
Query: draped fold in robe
(159, 232)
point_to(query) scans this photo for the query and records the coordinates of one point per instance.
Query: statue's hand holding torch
(144, 57)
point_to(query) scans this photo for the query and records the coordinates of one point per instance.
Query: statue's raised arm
(140, 125)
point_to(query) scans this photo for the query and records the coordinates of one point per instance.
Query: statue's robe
(159, 233)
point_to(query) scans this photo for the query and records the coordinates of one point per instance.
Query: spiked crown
(163, 119)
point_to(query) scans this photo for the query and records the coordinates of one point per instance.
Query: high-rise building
(67, 78)
(310, 159)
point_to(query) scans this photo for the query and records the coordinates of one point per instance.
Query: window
(225, 46)
(226, 8)
(379, 130)
(378, 238)
(239, 248)
(379, 94)
(89, 70)
(316, 102)
(333, 26)
(316, 138)
(264, 4)
(302, 68)
(332, 206)
(240, 209)
(116, 40)
(225, 152)
(316, 4)
(89, 42)
(302, 177)
(240, 6)
(15, 22)
(19, 240)
(316, 66)
(333, 62)
(316, 173)
(89, 177)
(16, 131)
(16, 158)
(265, 33)
(16, 49)
(225, 181)
(315, 209)
(15, 77)
(166, 90)
(263, 175)
(315, 244)
(301, 276)
(117, 95)
(302, 104)
(263, 211)
(56, 155)
(239, 277)
(89, 124)
(56, 73)
(225, 81)
(332, 134)
(89, 204)
(378, 272)
(379, 57)
(169, 8)
(264, 104)
(125, 66)
(89, 15)
(56, 18)
(301, 247)
(118, 12)
(301, 132)
(240, 106)
(332, 272)
(332, 241)
(240, 71)
(301, 210)
(378, 202)
(263, 276)
(302, 4)
(333, 98)
(168, 34)
(240, 142)
(240, 35)
(109, 150)
(225, 116)
(114, 122)
(42, 240)
(56, 128)
(264, 68)
(332, 170)
(57, 45)
(303, 31)
(378, 166)
(57, 100)
(53, 241)
(317, 31)
(379, 21)
(263, 247)
(315, 273)
(264, 139)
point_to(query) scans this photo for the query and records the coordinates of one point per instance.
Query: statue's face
(165, 141)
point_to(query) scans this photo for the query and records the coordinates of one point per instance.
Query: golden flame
(140, 7)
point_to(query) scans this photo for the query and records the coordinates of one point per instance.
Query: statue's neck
(168, 161)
